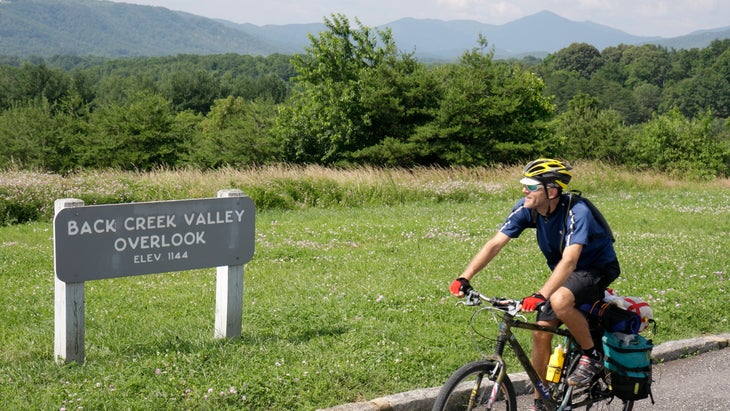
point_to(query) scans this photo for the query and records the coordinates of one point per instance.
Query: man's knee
(562, 301)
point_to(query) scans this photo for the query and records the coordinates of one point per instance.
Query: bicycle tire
(454, 394)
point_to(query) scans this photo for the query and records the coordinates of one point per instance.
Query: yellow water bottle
(555, 365)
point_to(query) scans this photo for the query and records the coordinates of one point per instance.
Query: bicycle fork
(473, 396)
(500, 367)
(496, 377)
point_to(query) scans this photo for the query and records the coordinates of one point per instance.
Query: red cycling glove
(460, 285)
(533, 302)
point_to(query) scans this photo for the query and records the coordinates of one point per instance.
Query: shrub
(679, 146)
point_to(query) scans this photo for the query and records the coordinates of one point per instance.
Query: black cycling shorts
(587, 287)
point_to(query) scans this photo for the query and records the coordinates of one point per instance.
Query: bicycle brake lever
(472, 299)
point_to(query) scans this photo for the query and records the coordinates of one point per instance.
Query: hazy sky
(666, 18)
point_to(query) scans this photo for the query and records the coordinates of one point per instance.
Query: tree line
(353, 98)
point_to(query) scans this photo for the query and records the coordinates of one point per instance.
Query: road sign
(107, 241)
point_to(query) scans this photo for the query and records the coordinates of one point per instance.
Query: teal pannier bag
(627, 358)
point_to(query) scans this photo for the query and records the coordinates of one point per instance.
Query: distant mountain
(438, 39)
(538, 34)
(697, 39)
(546, 31)
(103, 28)
(107, 29)
(287, 39)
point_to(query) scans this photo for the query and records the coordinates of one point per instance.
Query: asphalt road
(698, 383)
(691, 374)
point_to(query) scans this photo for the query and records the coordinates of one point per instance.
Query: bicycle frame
(506, 336)
(556, 396)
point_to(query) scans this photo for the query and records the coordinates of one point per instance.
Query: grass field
(346, 298)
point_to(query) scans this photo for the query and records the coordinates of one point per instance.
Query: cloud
(454, 4)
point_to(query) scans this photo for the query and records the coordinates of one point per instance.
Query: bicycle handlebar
(474, 297)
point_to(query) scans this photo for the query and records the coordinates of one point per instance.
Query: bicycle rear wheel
(470, 388)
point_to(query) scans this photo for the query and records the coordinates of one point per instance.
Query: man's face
(534, 195)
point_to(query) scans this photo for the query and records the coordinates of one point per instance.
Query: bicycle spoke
(470, 389)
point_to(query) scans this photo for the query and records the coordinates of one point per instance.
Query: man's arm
(485, 255)
(562, 271)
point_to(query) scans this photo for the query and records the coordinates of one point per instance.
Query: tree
(265, 87)
(27, 135)
(675, 144)
(683, 64)
(490, 113)
(72, 121)
(117, 89)
(648, 98)
(586, 131)
(32, 83)
(353, 91)
(708, 90)
(140, 135)
(236, 132)
(646, 64)
(581, 58)
(191, 90)
(562, 86)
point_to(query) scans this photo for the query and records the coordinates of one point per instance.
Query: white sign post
(228, 293)
(108, 241)
(69, 308)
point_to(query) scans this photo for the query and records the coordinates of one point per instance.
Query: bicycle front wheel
(470, 388)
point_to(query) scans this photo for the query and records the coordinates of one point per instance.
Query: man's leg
(541, 347)
(563, 303)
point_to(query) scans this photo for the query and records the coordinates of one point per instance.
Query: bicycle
(485, 385)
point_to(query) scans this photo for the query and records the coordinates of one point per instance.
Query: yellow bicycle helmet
(547, 171)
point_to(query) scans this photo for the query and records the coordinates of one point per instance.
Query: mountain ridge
(110, 29)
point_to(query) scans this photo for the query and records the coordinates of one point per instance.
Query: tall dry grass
(29, 195)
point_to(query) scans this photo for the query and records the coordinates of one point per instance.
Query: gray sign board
(107, 241)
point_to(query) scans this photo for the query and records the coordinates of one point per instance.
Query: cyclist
(579, 253)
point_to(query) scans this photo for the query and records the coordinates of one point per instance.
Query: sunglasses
(533, 187)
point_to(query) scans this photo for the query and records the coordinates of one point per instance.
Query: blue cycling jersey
(555, 232)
